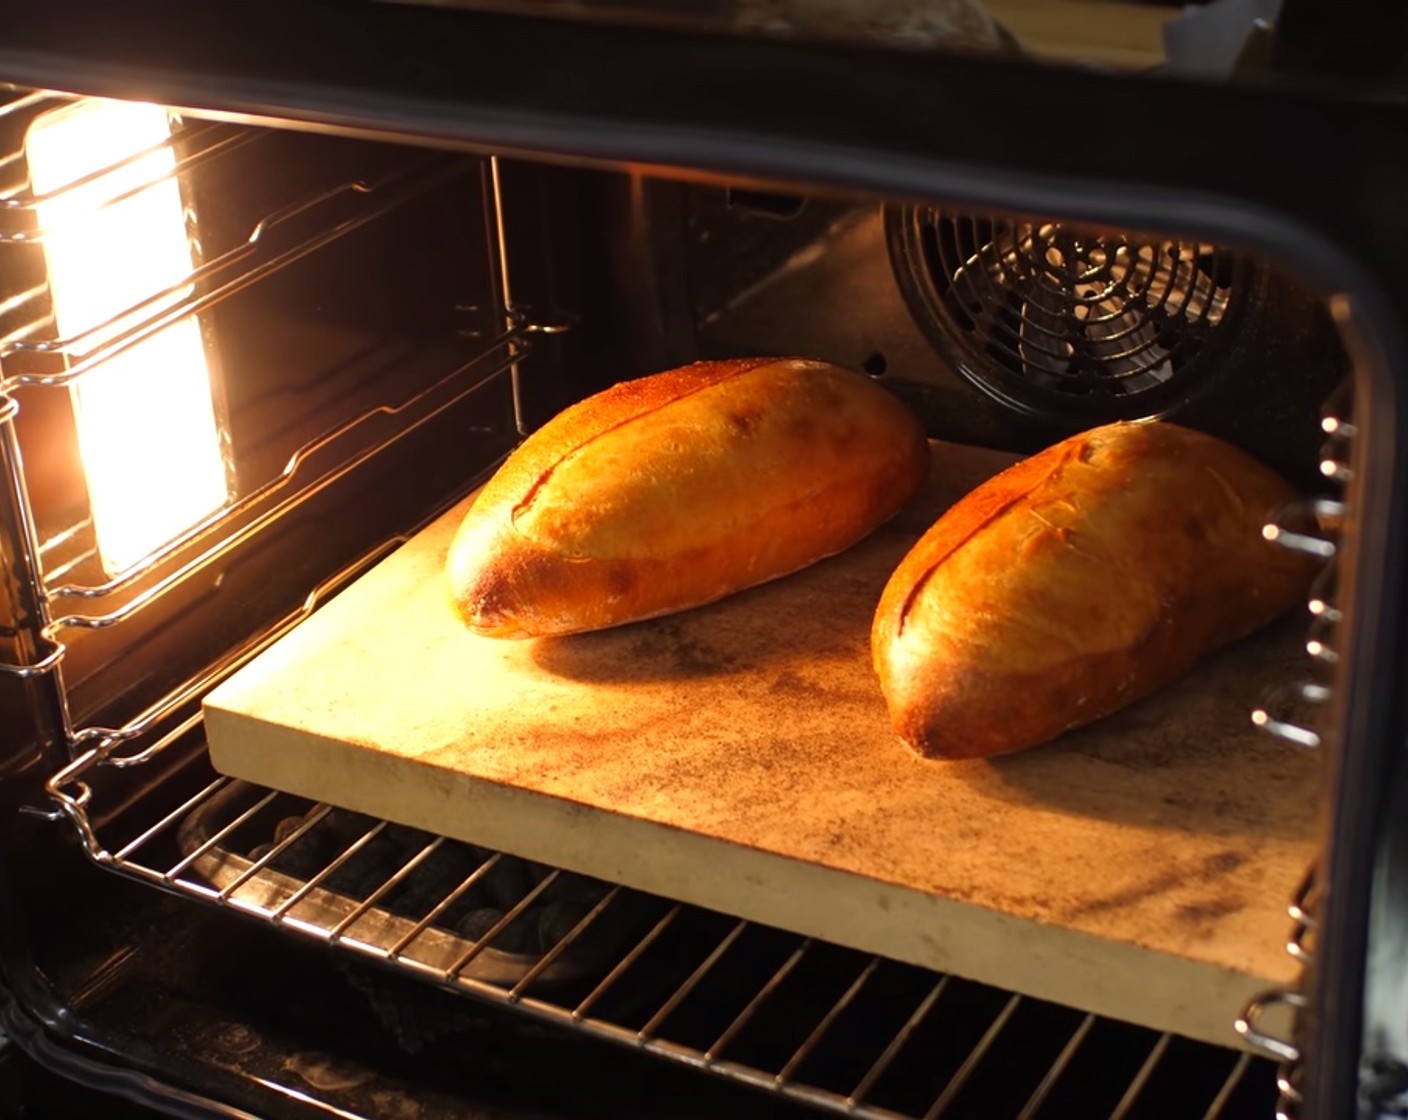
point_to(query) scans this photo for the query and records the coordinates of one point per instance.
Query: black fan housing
(1071, 326)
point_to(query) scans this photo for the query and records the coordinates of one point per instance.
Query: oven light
(113, 228)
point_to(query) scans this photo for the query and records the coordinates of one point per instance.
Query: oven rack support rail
(266, 248)
(28, 364)
(190, 850)
(336, 453)
(341, 210)
(1274, 715)
(418, 409)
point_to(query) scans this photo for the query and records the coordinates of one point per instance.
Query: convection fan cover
(1071, 325)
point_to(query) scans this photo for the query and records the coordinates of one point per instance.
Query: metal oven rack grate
(836, 1029)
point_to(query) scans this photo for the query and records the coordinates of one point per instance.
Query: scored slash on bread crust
(1075, 582)
(675, 490)
(606, 412)
(977, 510)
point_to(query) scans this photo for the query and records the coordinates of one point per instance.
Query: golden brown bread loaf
(675, 490)
(1075, 582)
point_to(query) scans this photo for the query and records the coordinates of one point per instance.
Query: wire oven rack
(833, 1028)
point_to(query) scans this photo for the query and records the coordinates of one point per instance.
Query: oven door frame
(1312, 178)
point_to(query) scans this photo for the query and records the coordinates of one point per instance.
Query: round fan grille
(1057, 320)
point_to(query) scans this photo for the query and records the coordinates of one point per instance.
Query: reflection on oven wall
(333, 331)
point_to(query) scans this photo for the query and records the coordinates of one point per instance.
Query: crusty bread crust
(1075, 582)
(675, 490)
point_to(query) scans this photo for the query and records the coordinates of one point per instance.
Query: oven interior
(386, 323)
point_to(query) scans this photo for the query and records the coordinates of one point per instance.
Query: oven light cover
(114, 230)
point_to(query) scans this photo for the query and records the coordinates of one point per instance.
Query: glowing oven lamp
(146, 420)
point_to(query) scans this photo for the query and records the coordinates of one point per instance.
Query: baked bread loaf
(1075, 582)
(675, 490)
